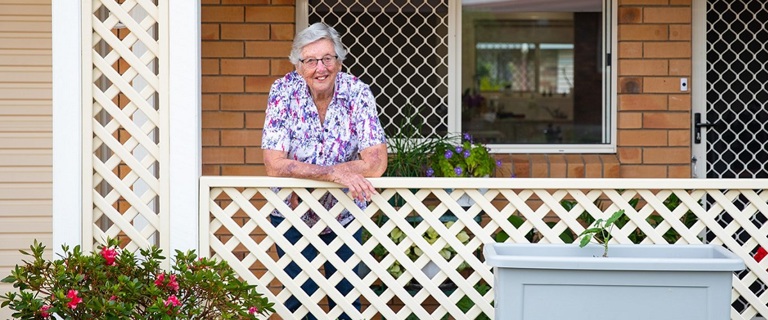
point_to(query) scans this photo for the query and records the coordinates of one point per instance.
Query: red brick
(281, 67)
(681, 49)
(539, 166)
(643, 171)
(210, 137)
(222, 84)
(268, 49)
(576, 168)
(680, 67)
(245, 1)
(211, 170)
(630, 85)
(661, 85)
(223, 155)
(642, 138)
(284, 2)
(270, 14)
(630, 15)
(630, 120)
(679, 155)
(630, 49)
(246, 170)
(210, 66)
(245, 66)
(243, 102)
(259, 84)
(232, 138)
(209, 31)
(666, 120)
(643, 32)
(521, 166)
(643, 2)
(630, 155)
(636, 102)
(221, 14)
(680, 32)
(667, 15)
(210, 102)
(679, 138)
(636, 67)
(282, 31)
(214, 49)
(680, 102)
(593, 166)
(254, 120)
(254, 155)
(682, 171)
(611, 166)
(244, 31)
(214, 120)
(557, 166)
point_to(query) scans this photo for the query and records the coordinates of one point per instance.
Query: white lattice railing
(235, 227)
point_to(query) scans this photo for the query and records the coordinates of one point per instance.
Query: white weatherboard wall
(25, 130)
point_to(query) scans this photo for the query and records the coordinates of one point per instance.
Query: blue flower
(498, 163)
(467, 153)
(459, 149)
(467, 137)
(458, 171)
(430, 172)
(448, 154)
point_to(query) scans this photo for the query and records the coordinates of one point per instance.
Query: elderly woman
(322, 124)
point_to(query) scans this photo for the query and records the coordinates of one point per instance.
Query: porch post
(184, 105)
(67, 121)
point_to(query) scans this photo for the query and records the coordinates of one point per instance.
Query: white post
(185, 105)
(67, 121)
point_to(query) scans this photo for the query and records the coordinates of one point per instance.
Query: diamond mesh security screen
(737, 89)
(400, 48)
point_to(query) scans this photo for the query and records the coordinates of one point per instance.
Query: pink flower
(74, 299)
(173, 284)
(160, 279)
(172, 300)
(44, 311)
(253, 310)
(109, 255)
(112, 298)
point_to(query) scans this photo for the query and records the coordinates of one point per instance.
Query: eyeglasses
(312, 62)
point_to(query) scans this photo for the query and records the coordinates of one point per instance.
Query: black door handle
(697, 126)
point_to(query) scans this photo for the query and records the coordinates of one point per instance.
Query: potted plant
(114, 284)
(462, 157)
(634, 281)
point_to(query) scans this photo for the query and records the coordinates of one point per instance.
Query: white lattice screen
(236, 228)
(124, 121)
(401, 49)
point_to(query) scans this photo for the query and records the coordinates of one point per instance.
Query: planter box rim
(640, 257)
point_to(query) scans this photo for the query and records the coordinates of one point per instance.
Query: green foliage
(414, 252)
(463, 159)
(600, 231)
(115, 284)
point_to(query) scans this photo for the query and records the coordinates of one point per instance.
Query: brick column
(653, 114)
(245, 47)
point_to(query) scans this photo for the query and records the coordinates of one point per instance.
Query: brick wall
(654, 135)
(245, 45)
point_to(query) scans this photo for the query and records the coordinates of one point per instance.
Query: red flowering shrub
(115, 284)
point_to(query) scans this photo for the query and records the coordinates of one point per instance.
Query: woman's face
(321, 78)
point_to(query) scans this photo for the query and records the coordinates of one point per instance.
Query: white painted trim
(67, 121)
(454, 65)
(698, 83)
(302, 15)
(184, 104)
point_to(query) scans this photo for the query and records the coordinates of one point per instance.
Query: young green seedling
(600, 231)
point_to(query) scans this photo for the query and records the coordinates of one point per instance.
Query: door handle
(697, 126)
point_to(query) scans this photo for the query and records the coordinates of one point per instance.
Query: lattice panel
(239, 232)
(737, 89)
(400, 48)
(125, 121)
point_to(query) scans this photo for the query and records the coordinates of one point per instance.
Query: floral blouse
(292, 124)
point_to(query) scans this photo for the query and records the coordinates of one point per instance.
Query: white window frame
(454, 82)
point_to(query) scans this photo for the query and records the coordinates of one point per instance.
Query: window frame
(609, 99)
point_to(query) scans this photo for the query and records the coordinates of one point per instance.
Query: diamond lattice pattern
(400, 48)
(125, 122)
(399, 284)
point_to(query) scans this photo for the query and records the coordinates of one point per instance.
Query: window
(533, 76)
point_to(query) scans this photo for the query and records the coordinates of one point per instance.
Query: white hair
(317, 31)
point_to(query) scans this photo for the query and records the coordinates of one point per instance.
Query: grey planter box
(550, 281)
